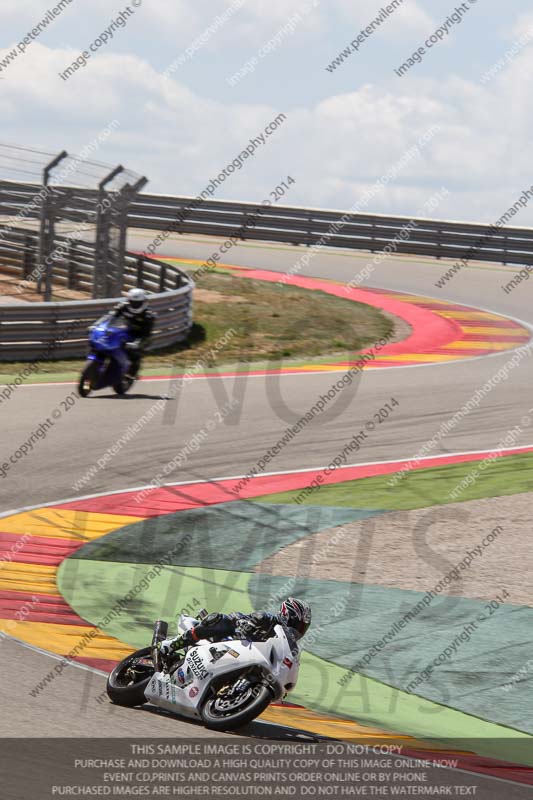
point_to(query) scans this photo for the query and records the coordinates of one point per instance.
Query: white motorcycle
(226, 684)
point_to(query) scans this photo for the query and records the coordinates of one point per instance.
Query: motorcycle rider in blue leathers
(140, 321)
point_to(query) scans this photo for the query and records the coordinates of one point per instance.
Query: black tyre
(123, 385)
(87, 379)
(129, 679)
(220, 715)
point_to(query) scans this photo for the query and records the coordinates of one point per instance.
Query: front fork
(160, 633)
(123, 362)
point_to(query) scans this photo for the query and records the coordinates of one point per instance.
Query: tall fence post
(46, 233)
(128, 195)
(27, 261)
(72, 281)
(61, 332)
(101, 258)
(140, 281)
(162, 278)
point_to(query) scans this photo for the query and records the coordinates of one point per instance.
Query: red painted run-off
(18, 549)
(430, 331)
(170, 499)
(166, 500)
(31, 607)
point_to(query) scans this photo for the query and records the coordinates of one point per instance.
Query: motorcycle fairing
(273, 657)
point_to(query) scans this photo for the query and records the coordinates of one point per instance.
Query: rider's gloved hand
(169, 646)
(250, 628)
(135, 345)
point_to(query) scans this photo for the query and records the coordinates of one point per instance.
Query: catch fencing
(53, 330)
(75, 268)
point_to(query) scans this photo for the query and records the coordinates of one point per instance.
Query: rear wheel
(235, 705)
(128, 681)
(88, 379)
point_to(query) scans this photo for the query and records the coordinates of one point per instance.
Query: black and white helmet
(296, 614)
(137, 300)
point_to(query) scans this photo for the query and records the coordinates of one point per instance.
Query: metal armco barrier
(33, 331)
(303, 226)
(29, 331)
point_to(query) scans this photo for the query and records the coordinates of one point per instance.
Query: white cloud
(181, 21)
(175, 20)
(409, 18)
(334, 149)
(522, 26)
(12, 11)
(262, 20)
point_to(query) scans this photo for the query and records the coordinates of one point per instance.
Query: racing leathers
(257, 626)
(140, 326)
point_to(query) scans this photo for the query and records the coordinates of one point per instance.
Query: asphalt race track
(428, 396)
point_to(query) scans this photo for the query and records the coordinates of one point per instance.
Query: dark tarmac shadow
(256, 729)
(122, 397)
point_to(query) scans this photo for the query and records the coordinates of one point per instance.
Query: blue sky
(344, 129)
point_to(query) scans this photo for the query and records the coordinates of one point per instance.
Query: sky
(187, 85)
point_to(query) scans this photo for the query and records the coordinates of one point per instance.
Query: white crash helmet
(137, 300)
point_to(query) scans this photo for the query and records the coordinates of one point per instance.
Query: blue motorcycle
(107, 362)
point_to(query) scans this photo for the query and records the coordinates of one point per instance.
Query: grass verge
(257, 322)
(422, 488)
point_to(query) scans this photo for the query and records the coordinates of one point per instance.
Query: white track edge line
(22, 509)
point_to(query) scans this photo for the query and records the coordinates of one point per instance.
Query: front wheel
(128, 681)
(236, 707)
(88, 379)
(123, 385)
